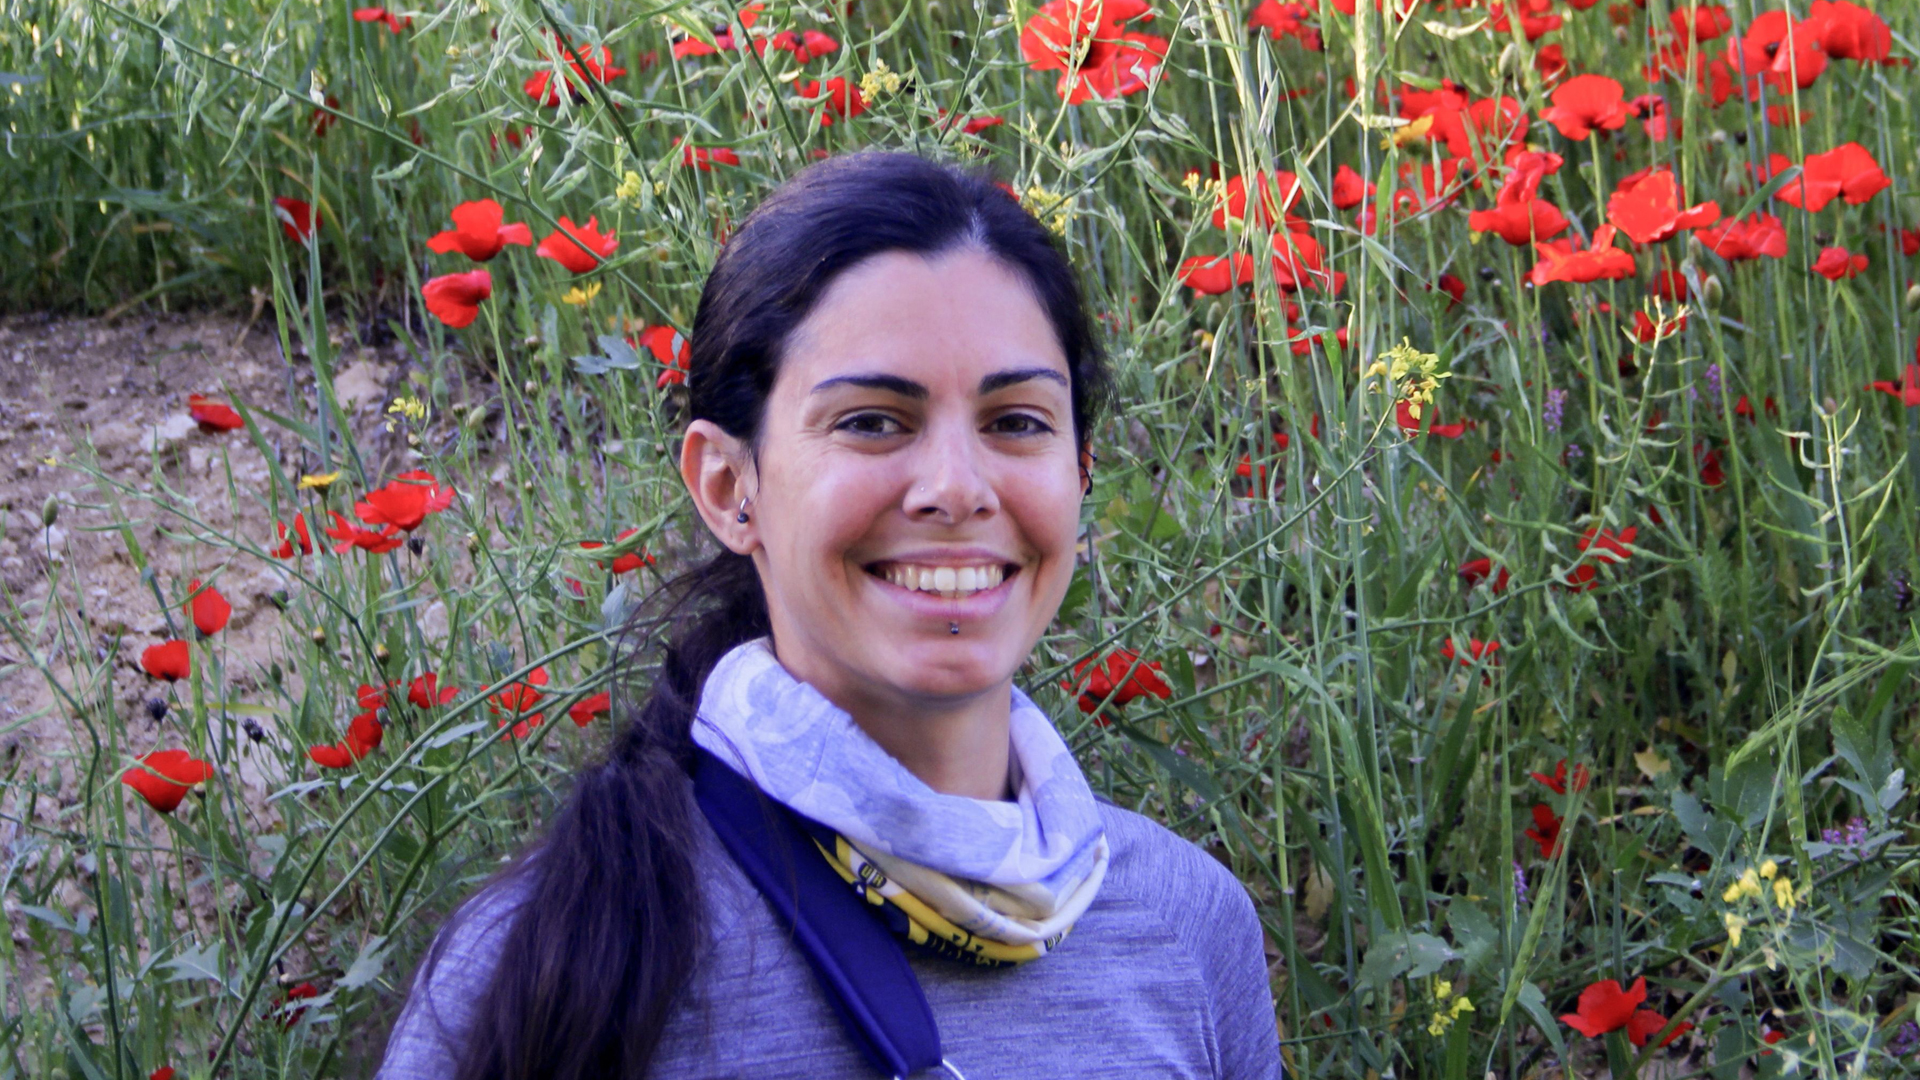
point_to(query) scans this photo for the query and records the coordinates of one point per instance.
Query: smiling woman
(836, 840)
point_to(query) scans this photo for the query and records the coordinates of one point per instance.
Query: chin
(949, 667)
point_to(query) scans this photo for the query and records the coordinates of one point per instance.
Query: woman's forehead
(962, 313)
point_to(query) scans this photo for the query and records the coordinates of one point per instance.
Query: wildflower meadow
(1501, 552)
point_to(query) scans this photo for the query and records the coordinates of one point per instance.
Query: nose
(950, 484)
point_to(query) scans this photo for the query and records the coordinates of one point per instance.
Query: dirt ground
(121, 389)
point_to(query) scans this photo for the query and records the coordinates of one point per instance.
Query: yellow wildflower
(630, 186)
(1192, 182)
(579, 297)
(1783, 897)
(1768, 869)
(1406, 133)
(318, 481)
(1735, 924)
(1442, 989)
(1460, 1005)
(879, 81)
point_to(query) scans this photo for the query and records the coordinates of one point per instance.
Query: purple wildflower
(1905, 1041)
(1555, 409)
(1519, 883)
(1713, 383)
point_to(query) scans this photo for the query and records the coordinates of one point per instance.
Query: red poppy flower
(298, 993)
(478, 233)
(405, 502)
(1409, 423)
(164, 1072)
(722, 39)
(1646, 331)
(364, 735)
(1211, 275)
(1278, 193)
(978, 124)
(839, 98)
(1085, 41)
(1518, 216)
(1455, 288)
(1546, 834)
(632, 560)
(1644, 1024)
(1475, 571)
(1744, 407)
(1585, 103)
(395, 23)
(297, 219)
(1123, 675)
(576, 246)
(325, 118)
(1349, 189)
(804, 45)
(213, 416)
(351, 536)
(1649, 210)
(583, 62)
(1837, 264)
(1535, 21)
(704, 158)
(513, 701)
(1551, 62)
(426, 691)
(169, 660)
(1609, 546)
(1847, 171)
(208, 608)
(1703, 22)
(1560, 261)
(1847, 31)
(1780, 49)
(288, 540)
(586, 709)
(1285, 20)
(164, 777)
(1738, 241)
(1604, 1007)
(1711, 473)
(1476, 650)
(1558, 781)
(455, 299)
(1297, 261)
(1908, 392)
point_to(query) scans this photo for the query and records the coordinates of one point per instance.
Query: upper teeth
(948, 581)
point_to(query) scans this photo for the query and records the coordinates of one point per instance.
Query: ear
(718, 472)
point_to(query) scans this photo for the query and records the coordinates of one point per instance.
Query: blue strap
(859, 964)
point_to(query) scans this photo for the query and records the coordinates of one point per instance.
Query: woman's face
(917, 470)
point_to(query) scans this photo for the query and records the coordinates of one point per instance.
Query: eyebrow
(907, 388)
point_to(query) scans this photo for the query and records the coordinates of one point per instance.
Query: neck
(954, 746)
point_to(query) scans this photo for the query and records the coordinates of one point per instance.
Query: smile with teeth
(949, 582)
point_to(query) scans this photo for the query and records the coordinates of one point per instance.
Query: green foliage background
(1743, 682)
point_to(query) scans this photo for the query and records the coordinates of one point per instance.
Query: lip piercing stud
(953, 628)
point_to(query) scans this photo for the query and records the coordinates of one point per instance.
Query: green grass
(1744, 681)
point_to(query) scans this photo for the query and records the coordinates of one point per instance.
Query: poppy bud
(1712, 293)
(1732, 184)
(274, 672)
(156, 709)
(278, 598)
(381, 654)
(318, 635)
(50, 511)
(1719, 136)
(1913, 298)
(1510, 58)
(532, 342)
(1620, 35)
(476, 417)
(1829, 406)
(1696, 251)
(473, 543)
(529, 388)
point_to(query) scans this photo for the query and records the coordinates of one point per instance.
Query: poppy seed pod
(1913, 298)
(1712, 293)
(50, 511)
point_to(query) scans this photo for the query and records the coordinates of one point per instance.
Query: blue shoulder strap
(860, 966)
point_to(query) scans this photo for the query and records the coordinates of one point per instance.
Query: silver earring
(741, 517)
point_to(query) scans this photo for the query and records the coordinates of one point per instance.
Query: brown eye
(1020, 424)
(870, 424)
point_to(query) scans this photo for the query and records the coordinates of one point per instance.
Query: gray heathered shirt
(1164, 976)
